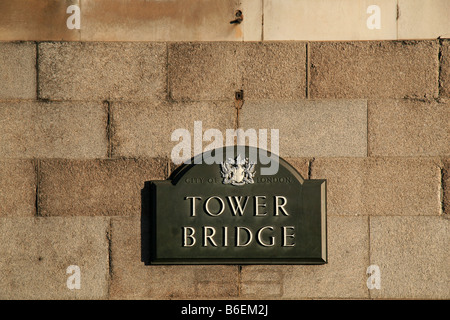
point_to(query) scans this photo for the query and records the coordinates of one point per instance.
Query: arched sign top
(238, 205)
(243, 159)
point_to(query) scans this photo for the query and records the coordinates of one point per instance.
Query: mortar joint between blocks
(37, 71)
(442, 188)
(239, 293)
(307, 71)
(110, 272)
(440, 41)
(109, 127)
(37, 168)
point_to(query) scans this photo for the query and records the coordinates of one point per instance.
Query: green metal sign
(228, 212)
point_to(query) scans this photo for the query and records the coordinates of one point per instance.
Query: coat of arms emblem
(237, 172)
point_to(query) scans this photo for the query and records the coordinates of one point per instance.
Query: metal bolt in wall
(239, 17)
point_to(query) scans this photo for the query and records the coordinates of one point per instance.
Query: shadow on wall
(146, 208)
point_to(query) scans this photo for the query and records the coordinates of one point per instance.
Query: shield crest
(237, 172)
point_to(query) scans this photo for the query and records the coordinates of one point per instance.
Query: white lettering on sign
(237, 205)
(239, 208)
(215, 206)
(259, 237)
(221, 206)
(244, 236)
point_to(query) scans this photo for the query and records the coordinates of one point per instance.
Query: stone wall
(86, 118)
